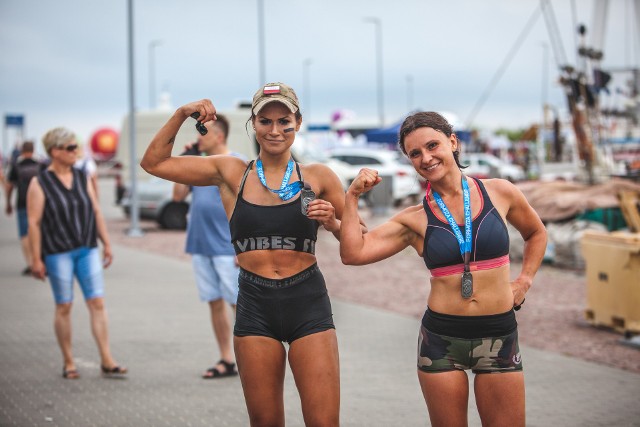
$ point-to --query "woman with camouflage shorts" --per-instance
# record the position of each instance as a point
(459, 229)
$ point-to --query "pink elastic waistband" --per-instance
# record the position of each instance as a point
(473, 266)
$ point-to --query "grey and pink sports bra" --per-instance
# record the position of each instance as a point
(489, 240)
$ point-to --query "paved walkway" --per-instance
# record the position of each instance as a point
(161, 331)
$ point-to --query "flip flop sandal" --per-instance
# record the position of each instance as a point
(70, 374)
(114, 371)
(229, 371)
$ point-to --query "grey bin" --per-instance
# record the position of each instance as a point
(380, 198)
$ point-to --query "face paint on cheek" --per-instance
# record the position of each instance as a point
(287, 130)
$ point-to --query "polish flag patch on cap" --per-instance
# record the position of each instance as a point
(270, 90)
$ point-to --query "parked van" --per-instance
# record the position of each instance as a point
(155, 194)
(241, 137)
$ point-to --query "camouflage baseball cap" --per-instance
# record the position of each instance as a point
(272, 92)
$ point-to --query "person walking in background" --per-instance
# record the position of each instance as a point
(88, 166)
(19, 177)
(65, 223)
(282, 294)
(459, 230)
(209, 243)
(2, 176)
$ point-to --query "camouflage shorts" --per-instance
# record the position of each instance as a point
(439, 353)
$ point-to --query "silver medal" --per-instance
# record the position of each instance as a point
(467, 285)
(306, 196)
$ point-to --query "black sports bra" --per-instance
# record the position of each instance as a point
(489, 236)
(258, 227)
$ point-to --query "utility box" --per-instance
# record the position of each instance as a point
(613, 279)
(380, 198)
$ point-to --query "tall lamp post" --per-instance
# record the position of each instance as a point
(152, 73)
(134, 231)
(306, 65)
(409, 93)
(380, 83)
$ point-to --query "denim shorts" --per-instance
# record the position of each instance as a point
(23, 223)
(84, 263)
(216, 277)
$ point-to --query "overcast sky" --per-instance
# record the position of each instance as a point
(64, 62)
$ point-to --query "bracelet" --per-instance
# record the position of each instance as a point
(517, 307)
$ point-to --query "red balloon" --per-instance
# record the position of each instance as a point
(104, 143)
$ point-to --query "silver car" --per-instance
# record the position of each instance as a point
(485, 165)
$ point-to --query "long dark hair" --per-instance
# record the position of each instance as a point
(428, 119)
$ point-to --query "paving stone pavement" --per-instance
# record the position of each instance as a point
(161, 331)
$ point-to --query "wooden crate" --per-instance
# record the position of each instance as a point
(630, 207)
(612, 263)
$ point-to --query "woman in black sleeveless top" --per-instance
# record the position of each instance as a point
(65, 223)
(282, 295)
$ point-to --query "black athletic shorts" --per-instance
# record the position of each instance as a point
(284, 309)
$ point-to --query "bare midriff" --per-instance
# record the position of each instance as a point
(275, 263)
(491, 293)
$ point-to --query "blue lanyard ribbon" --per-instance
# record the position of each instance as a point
(286, 191)
(464, 243)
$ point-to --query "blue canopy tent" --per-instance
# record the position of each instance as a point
(389, 135)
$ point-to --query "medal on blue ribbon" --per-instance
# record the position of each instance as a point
(307, 195)
(286, 190)
(466, 288)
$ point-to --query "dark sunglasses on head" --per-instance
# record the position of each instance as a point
(72, 147)
(200, 127)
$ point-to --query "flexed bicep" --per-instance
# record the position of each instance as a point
(364, 181)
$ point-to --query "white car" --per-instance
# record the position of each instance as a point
(484, 165)
(405, 182)
(155, 202)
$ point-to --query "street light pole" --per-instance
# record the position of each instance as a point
(261, 53)
(306, 65)
(380, 82)
(134, 231)
(152, 73)
(409, 93)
